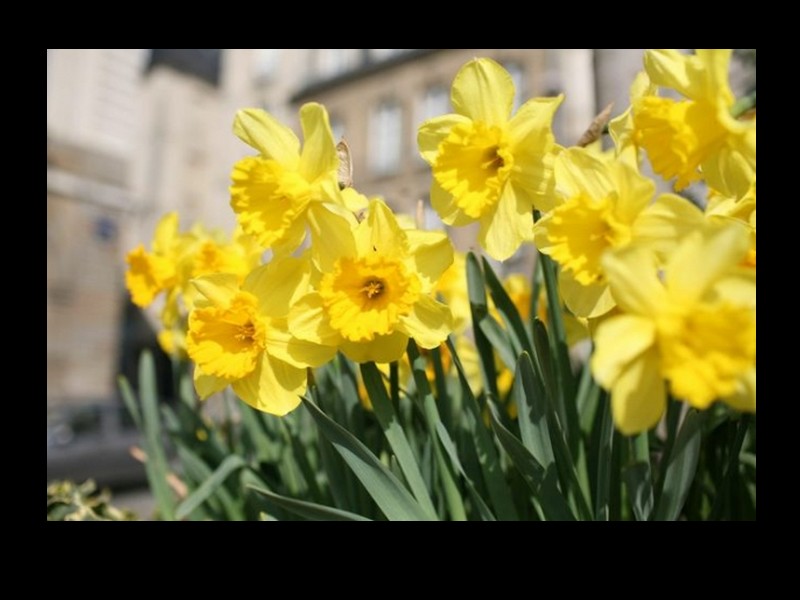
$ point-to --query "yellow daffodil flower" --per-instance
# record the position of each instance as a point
(696, 137)
(150, 273)
(452, 287)
(488, 166)
(693, 325)
(238, 336)
(375, 286)
(271, 193)
(622, 129)
(602, 204)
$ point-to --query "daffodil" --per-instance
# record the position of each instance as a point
(238, 336)
(696, 137)
(622, 128)
(375, 285)
(150, 273)
(271, 193)
(489, 166)
(601, 204)
(723, 209)
(692, 324)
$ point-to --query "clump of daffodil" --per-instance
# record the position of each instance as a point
(175, 259)
(374, 287)
(696, 137)
(692, 324)
(602, 204)
(238, 336)
(271, 192)
(489, 166)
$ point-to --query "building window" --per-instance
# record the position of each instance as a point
(385, 138)
(517, 74)
(266, 62)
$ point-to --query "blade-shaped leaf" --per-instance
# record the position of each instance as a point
(392, 498)
(395, 435)
(680, 469)
(543, 482)
(209, 486)
(308, 510)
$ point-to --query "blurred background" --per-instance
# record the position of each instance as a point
(135, 133)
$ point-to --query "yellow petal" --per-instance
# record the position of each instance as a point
(429, 323)
(432, 254)
(663, 224)
(353, 201)
(382, 349)
(716, 64)
(577, 172)
(207, 385)
(266, 134)
(447, 208)
(587, 301)
(290, 240)
(509, 225)
(219, 288)
(332, 234)
(307, 321)
(279, 284)
(274, 387)
(433, 131)
(301, 353)
(633, 279)
(704, 257)
(166, 233)
(483, 91)
(379, 233)
(634, 190)
(532, 126)
(732, 170)
(670, 68)
(745, 397)
(318, 157)
(638, 397)
(618, 341)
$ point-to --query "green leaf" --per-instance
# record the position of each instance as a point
(130, 400)
(156, 464)
(197, 470)
(209, 486)
(450, 449)
(496, 484)
(543, 482)
(560, 348)
(638, 478)
(532, 408)
(387, 418)
(480, 311)
(308, 510)
(432, 420)
(392, 498)
(603, 450)
(508, 312)
(680, 468)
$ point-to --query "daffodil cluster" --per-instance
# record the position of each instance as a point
(666, 286)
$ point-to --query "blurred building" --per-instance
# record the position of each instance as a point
(132, 134)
